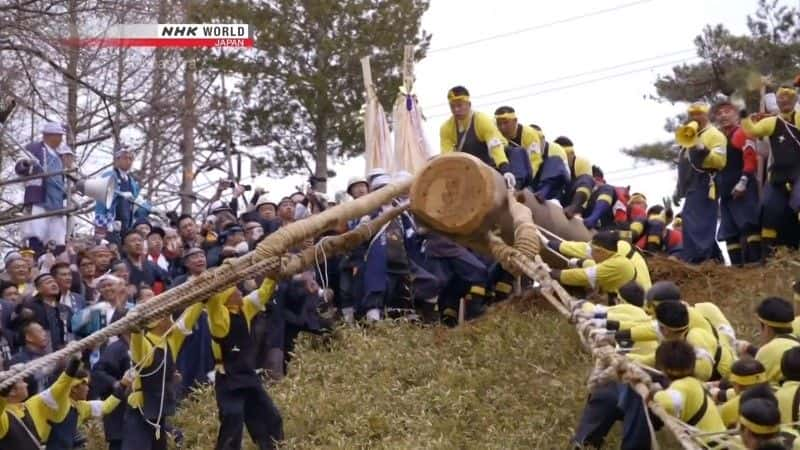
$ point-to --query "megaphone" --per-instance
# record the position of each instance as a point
(686, 135)
(100, 189)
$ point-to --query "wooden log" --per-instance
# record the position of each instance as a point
(458, 195)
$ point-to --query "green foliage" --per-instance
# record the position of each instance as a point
(731, 66)
(656, 151)
(302, 89)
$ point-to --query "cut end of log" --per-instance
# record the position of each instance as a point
(454, 192)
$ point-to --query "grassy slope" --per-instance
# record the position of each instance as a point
(514, 379)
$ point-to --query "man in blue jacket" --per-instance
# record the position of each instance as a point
(113, 223)
(44, 194)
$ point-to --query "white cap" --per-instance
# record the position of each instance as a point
(375, 172)
(53, 128)
(379, 181)
(65, 149)
(106, 277)
(263, 200)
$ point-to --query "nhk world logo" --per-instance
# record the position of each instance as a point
(173, 35)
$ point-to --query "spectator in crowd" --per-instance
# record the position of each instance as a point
(48, 312)
(44, 194)
(36, 344)
(266, 208)
(187, 230)
(253, 231)
(62, 272)
(142, 226)
(142, 270)
(6, 340)
(9, 299)
(18, 272)
(115, 221)
(286, 208)
(67, 157)
(86, 272)
(110, 305)
(155, 248)
(102, 256)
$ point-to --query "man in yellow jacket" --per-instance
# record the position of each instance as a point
(152, 400)
(782, 191)
(607, 263)
(685, 398)
(548, 162)
(241, 397)
(698, 164)
(475, 133)
(775, 316)
(576, 196)
(26, 424)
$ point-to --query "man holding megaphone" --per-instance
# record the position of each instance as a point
(44, 194)
(703, 153)
(112, 221)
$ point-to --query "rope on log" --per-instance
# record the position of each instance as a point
(266, 258)
(609, 365)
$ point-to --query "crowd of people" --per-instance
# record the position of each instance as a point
(57, 288)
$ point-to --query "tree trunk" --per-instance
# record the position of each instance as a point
(320, 158)
(188, 122)
(151, 165)
(73, 53)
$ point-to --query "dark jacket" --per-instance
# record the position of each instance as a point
(111, 367)
(54, 319)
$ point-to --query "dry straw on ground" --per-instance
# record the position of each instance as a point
(512, 380)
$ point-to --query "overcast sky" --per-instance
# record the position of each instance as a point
(600, 116)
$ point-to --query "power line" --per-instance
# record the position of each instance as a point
(540, 26)
(582, 83)
(628, 169)
(569, 77)
(644, 174)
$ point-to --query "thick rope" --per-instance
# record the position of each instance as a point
(609, 364)
(264, 259)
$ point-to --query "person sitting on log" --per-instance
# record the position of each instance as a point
(475, 133)
(651, 233)
(547, 162)
(607, 262)
(577, 194)
(600, 210)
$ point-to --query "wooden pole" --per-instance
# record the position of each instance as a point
(408, 67)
